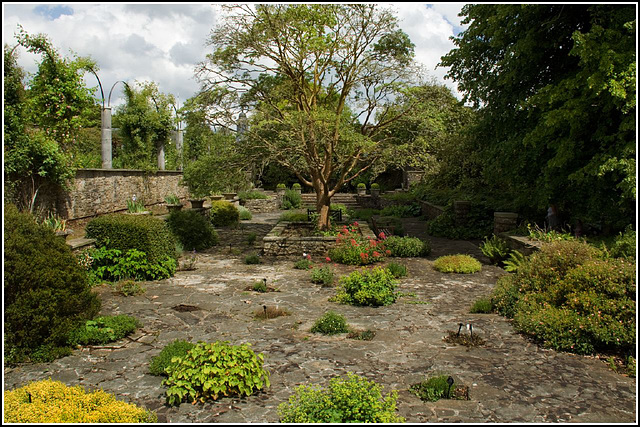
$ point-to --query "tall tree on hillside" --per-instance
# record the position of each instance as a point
(556, 89)
(320, 79)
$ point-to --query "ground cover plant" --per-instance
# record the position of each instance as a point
(213, 370)
(350, 399)
(50, 401)
(397, 270)
(496, 249)
(192, 229)
(244, 214)
(353, 249)
(251, 195)
(406, 246)
(367, 287)
(114, 265)
(128, 288)
(331, 323)
(103, 330)
(252, 259)
(458, 263)
(568, 297)
(439, 387)
(46, 291)
(322, 275)
(177, 348)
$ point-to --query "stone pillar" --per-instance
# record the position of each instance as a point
(106, 138)
(177, 135)
(161, 155)
(504, 221)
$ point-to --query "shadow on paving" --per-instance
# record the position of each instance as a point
(510, 379)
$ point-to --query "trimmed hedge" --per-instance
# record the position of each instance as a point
(223, 213)
(142, 232)
(46, 291)
(192, 229)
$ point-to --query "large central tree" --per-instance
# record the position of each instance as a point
(320, 80)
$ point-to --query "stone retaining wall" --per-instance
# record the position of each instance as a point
(262, 205)
(430, 210)
(100, 191)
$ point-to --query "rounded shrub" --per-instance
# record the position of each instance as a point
(374, 287)
(103, 330)
(244, 213)
(330, 323)
(46, 291)
(50, 401)
(159, 363)
(350, 400)
(407, 246)
(291, 200)
(322, 275)
(213, 370)
(458, 263)
(192, 229)
(397, 270)
(223, 213)
(141, 232)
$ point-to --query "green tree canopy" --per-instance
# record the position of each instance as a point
(556, 89)
(320, 79)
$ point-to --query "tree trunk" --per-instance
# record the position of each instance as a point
(323, 202)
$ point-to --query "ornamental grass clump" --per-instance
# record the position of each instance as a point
(50, 402)
(213, 370)
(458, 263)
(159, 363)
(353, 249)
(347, 400)
(373, 287)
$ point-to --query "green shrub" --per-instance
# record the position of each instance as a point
(303, 264)
(374, 287)
(352, 249)
(172, 199)
(48, 402)
(291, 200)
(296, 186)
(624, 245)
(213, 370)
(514, 262)
(260, 287)
(365, 214)
(458, 263)
(496, 249)
(142, 232)
(251, 238)
(433, 389)
(244, 213)
(402, 211)
(251, 195)
(362, 185)
(281, 186)
(103, 330)
(159, 363)
(223, 213)
(294, 216)
(352, 400)
(505, 296)
(397, 270)
(482, 305)
(479, 223)
(375, 186)
(46, 291)
(192, 229)
(330, 323)
(407, 246)
(252, 259)
(115, 265)
(322, 275)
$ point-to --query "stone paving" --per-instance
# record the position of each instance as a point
(510, 379)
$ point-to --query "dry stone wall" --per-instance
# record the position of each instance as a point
(100, 191)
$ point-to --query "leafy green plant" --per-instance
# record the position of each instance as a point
(397, 270)
(128, 288)
(192, 230)
(244, 213)
(496, 249)
(294, 216)
(482, 305)
(291, 200)
(624, 245)
(251, 238)
(281, 186)
(352, 249)
(458, 263)
(402, 211)
(296, 186)
(322, 275)
(330, 323)
(542, 235)
(178, 349)
(252, 195)
(213, 370)
(303, 264)
(407, 246)
(135, 206)
(103, 330)
(514, 262)
(54, 222)
(354, 399)
(374, 287)
(260, 286)
(115, 265)
(375, 186)
(252, 259)
(362, 185)
(172, 199)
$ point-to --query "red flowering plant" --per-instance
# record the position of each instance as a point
(354, 249)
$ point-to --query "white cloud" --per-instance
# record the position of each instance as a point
(164, 42)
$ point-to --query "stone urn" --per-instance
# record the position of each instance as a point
(229, 196)
(196, 203)
(215, 197)
(375, 192)
(174, 207)
(362, 191)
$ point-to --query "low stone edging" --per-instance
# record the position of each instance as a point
(522, 244)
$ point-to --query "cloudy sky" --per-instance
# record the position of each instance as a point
(163, 42)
